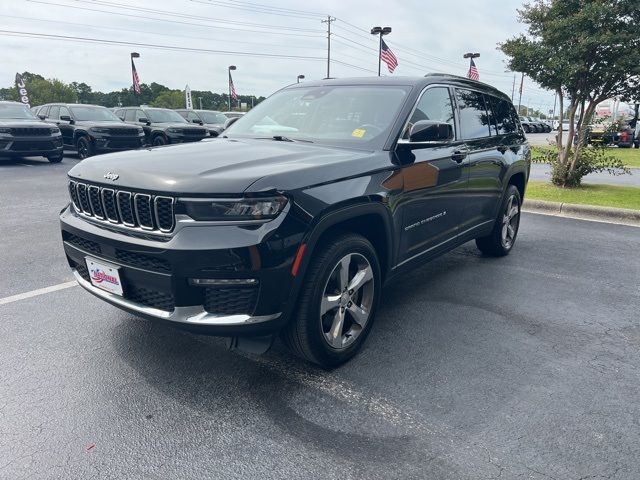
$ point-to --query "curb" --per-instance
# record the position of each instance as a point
(623, 216)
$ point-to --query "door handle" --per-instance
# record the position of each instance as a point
(459, 155)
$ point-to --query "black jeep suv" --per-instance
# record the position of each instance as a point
(161, 125)
(214, 121)
(23, 134)
(292, 220)
(91, 129)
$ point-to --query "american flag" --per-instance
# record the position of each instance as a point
(473, 71)
(387, 56)
(136, 78)
(232, 89)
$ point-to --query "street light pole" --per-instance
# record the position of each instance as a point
(200, 100)
(300, 77)
(231, 67)
(381, 32)
(134, 74)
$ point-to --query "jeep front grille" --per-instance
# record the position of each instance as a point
(123, 207)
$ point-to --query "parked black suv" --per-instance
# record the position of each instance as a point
(214, 121)
(91, 129)
(294, 218)
(23, 134)
(161, 125)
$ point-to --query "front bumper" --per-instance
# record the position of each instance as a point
(179, 138)
(105, 144)
(156, 274)
(27, 145)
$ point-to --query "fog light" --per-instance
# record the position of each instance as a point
(203, 282)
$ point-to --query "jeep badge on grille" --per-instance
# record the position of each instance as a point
(111, 176)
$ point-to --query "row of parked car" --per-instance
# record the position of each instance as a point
(48, 130)
(535, 125)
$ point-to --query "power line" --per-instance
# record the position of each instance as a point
(253, 7)
(192, 17)
(174, 21)
(173, 35)
(11, 33)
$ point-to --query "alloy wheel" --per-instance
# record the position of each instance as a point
(510, 222)
(347, 301)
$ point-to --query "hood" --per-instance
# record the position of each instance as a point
(178, 125)
(22, 123)
(102, 124)
(228, 166)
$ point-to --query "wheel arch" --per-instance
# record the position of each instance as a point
(372, 220)
(519, 180)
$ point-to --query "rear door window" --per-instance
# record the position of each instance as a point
(54, 112)
(474, 118)
(503, 116)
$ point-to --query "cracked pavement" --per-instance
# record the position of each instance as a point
(522, 367)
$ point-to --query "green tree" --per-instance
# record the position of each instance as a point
(585, 50)
(170, 99)
(83, 92)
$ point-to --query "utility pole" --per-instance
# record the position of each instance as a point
(513, 89)
(200, 99)
(328, 22)
(520, 99)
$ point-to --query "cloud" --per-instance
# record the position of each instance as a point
(427, 36)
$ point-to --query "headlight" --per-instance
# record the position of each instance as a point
(55, 130)
(174, 130)
(5, 130)
(234, 209)
(99, 129)
(140, 131)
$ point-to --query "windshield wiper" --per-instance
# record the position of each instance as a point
(282, 138)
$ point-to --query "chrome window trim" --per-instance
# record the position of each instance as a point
(405, 141)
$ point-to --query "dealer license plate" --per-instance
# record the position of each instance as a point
(104, 276)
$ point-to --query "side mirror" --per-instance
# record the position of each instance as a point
(143, 120)
(65, 118)
(230, 122)
(42, 117)
(195, 120)
(430, 131)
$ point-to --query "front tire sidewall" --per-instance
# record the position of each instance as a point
(84, 147)
(308, 312)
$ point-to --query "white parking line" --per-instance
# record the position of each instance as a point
(35, 293)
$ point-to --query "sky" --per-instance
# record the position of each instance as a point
(427, 36)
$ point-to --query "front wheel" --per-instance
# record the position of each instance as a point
(505, 230)
(85, 149)
(55, 158)
(158, 141)
(337, 302)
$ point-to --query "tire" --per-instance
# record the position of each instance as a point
(158, 141)
(333, 337)
(55, 158)
(526, 129)
(502, 238)
(84, 147)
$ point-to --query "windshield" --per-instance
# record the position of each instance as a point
(164, 116)
(212, 117)
(11, 110)
(352, 116)
(93, 114)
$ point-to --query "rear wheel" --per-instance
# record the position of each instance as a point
(337, 302)
(85, 149)
(55, 158)
(505, 230)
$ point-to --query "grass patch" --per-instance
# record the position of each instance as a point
(587, 194)
(630, 156)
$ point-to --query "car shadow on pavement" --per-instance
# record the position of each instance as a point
(200, 373)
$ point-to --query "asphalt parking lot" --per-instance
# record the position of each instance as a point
(521, 367)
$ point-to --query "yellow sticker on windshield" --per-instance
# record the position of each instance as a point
(358, 133)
